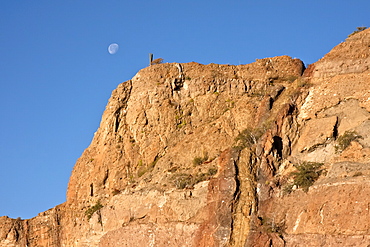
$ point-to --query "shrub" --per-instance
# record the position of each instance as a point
(197, 161)
(200, 160)
(89, 212)
(303, 83)
(141, 171)
(307, 173)
(359, 29)
(290, 78)
(140, 163)
(157, 61)
(200, 177)
(212, 171)
(180, 121)
(182, 180)
(247, 138)
(231, 103)
(144, 168)
(345, 140)
(288, 189)
(270, 226)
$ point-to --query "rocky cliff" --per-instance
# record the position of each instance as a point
(264, 154)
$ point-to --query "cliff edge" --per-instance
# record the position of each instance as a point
(264, 154)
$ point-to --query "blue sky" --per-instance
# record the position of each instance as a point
(56, 74)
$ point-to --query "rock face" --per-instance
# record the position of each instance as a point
(264, 154)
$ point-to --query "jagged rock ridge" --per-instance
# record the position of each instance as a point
(203, 155)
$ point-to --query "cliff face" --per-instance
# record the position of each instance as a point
(222, 155)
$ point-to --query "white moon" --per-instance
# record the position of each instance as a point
(113, 48)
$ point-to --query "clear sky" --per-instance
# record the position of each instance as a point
(56, 74)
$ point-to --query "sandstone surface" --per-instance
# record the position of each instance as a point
(210, 155)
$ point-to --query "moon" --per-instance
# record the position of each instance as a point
(113, 48)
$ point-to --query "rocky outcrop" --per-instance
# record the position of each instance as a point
(333, 130)
(349, 57)
(220, 155)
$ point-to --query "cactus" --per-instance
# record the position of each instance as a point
(150, 58)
